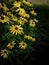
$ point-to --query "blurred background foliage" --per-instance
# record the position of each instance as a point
(40, 54)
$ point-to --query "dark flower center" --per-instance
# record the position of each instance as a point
(5, 52)
(23, 44)
(11, 44)
(2, 4)
(16, 28)
(2, 17)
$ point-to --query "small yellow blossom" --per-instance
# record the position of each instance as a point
(35, 20)
(21, 11)
(23, 45)
(22, 20)
(27, 3)
(4, 19)
(33, 12)
(4, 7)
(11, 45)
(14, 18)
(32, 23)
(4, 53)
(26, 15)
(29, 38)
(8, 13)
(16, 29)
(17, 4)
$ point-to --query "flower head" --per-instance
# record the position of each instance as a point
(29, 38)
(27, 3)
(33, 12)
(35, 20)
(21, 11)
(22, 20)
(16, 29)
(4, 7)
(22, 45)
(32, 23)
(4, 19)
(11, 45)
(4, 53)
(16, 4)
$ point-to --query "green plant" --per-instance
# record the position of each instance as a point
(17, 28)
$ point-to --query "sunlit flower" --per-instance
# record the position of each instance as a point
(33, 12)
(16, 4)
(29, 38)
(35, 20)
(4, 53)
(4, 19)
(32, 23)
(16, 29)
(27, 3)
(22, 20)
(11, 45)
(4, 7)
(14, 18)
(21, 11)
(26, 15)
(23, 45)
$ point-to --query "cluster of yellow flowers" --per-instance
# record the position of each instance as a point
(16, 17)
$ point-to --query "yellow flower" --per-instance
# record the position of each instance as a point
(27, 3)
(22, 20)
(29, 38)
(35, 20)
(4, 19)
(22, 45)
(11, 45)
(26, 15)
(16, 29)
(14, 18)
(17, 4)
(32, 23)
(33, 12)
(9, 13)
(21, 11)
(4, 53)
(4, 7)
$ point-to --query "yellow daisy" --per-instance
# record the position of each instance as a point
(14, 18)
(32, 23)
(21, 11)
(29, 38)
(35, 20)
(9, 13)
(11, 45)
(16, 4)
(16, 29)
(22, 45)
(27, 3)
(22, 20)
(4, 19)
(4, 7)
(26, 15)
(33, 12)
(4, 53)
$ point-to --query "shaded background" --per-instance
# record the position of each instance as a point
(39, 1)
